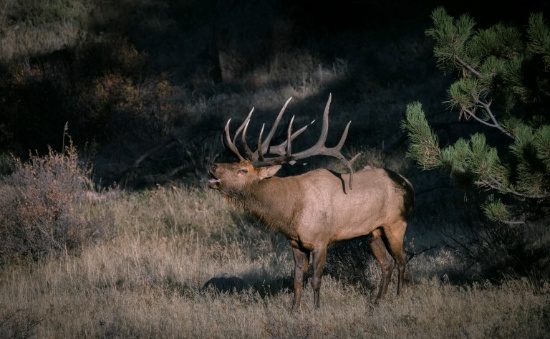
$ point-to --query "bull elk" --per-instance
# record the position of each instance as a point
(318, 208)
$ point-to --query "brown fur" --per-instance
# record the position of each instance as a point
(317, 209)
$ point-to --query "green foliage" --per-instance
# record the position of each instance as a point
(502, 82)
(424, 143)
(539, 38)
(41, 208)
(452, 34)
(495, 210)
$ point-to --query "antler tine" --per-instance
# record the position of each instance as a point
(343, 137)
(260, 150)
(324, 128)
(247, 149)
(289, 138)
(281, 148)
(231, 144)
(265, 144)
(319, 148)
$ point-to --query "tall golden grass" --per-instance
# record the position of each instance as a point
(147, 281)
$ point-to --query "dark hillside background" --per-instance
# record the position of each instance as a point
(146, 86)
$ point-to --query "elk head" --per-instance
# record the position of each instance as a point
(235, 177)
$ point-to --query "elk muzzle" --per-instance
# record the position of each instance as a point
(213, 182)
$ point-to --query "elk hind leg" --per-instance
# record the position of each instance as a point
(385, 260)
(395, 234)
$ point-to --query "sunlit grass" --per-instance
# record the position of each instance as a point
(147, 280)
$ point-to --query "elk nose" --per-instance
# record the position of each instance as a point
(213, 168)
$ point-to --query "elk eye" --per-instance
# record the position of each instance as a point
(243, 171)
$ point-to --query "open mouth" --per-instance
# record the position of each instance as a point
(213, 182)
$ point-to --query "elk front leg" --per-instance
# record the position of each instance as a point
(301, 264)
(319, 260)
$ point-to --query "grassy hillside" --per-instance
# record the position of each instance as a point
(144, 89)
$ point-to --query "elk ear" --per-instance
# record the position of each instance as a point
(268, 172)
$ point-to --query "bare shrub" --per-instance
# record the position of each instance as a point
(41, 208)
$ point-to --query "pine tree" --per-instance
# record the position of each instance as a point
(502, 81)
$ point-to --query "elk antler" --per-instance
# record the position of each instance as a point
(284, 150)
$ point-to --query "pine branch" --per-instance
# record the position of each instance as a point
(468, 67)
(485, 105)
(471, 114)
(492, 64)
(493, 183)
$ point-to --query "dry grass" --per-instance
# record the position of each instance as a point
(147, 282)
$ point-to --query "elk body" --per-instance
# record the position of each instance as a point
(319, 208)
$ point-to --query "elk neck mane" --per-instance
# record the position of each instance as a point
(268, 202)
